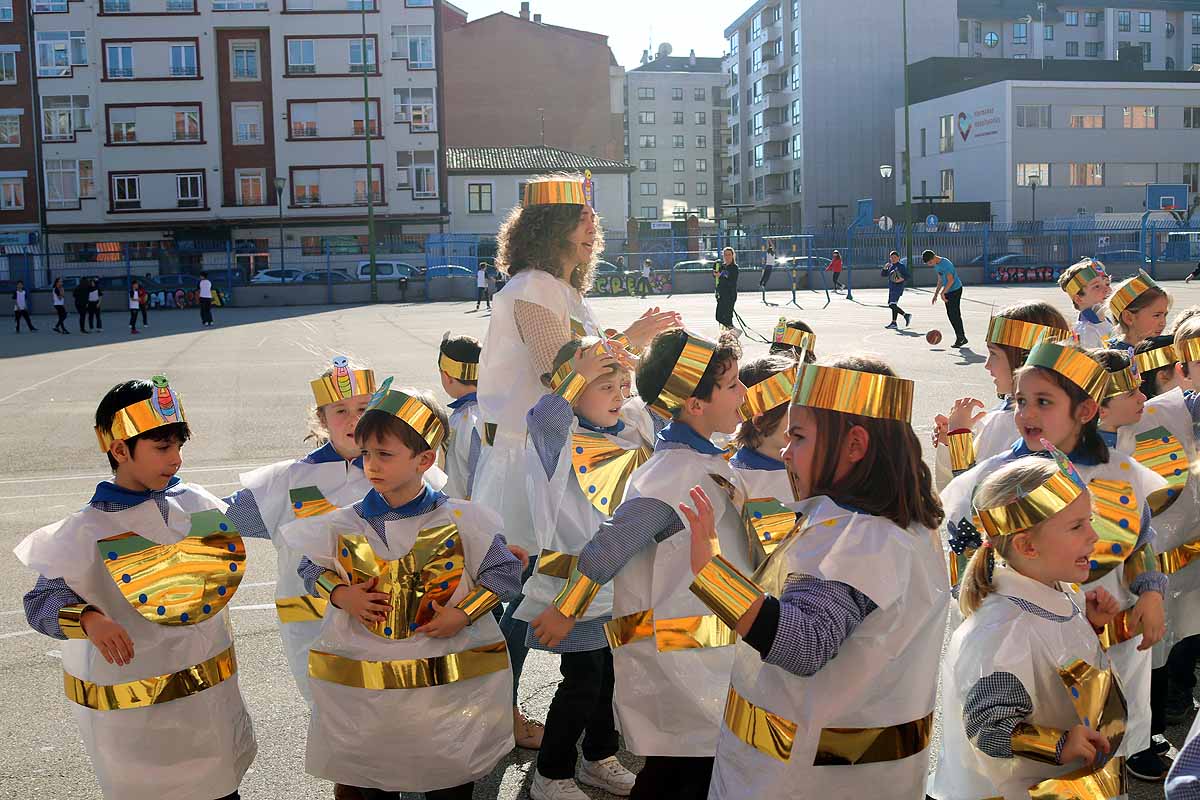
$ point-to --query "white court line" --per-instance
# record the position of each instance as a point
(92, 477)
(54, 377)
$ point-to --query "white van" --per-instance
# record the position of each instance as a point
(386, 270)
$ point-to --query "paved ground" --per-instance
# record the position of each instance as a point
(245, 383)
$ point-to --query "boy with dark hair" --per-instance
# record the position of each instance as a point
(458, 368)
(136, 584)
(1088, 286)
(410, 676)
(205, 293)
(671, 656)
(949, 288)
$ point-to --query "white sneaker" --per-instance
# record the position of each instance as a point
(608, 774)
(545, 789)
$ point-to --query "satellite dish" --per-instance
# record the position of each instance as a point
(664, 50)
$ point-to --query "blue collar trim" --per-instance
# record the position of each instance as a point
(328, 454)
(611, 430)
(109, 492)
(1109, 437)
(1090, 316)
(681, 433)
(1078, 457)
(464, 400)
(373, 505)
(745, 458)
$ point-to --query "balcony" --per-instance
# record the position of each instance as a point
(360, 198)
(183, 71)
(304, 130)
(308, 200)
(116, 6)
(301, 69)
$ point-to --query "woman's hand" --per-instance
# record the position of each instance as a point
(963, 415)
(651, 324)
(703, 524)
(593, 362)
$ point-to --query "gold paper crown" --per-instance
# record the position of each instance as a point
(1154, 359)
(770, 393)
(1091, 270)
(1188, 349)
(1127, 291)
(1122, 381)
(1033, 508)
(411, 411)
(1022, 335)
(459, 370)
(685, 376)
(161, 408)
(849, 391)
(793, 337)
(342, 383)
(1073, 364)
(556, 191)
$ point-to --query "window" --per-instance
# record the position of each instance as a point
(239, 5)
(1195, 54)
(947, 178)
(479, 198)
(1072, 49)
(1196, 24)
(244, 61)
(1039, 171)
(992, 39)
(1086, 116)
(8, 67)
(1071, 18)
(700, 93)
(701, 118)
(62, 183)
(58, 51)
(676, 117)
(756, 91)
(1020, 33)
(303, 117)
(357, 62)
(924, 149)
(797, 147)
(12, 194)
(122, 125)
(87, 178)
(6, 10)
(677, 142)
(63, 115)
(306, 187)
(1191, 117)
(10, 130)
(677, 165)
(1092, 49)
(702, 141)
(183, 61)
(1169, 63)
(677, 92)
(302, 57)
(187, 125)
(649, 212)
(648, 165)
(1124, 21)
(49, 6)
(679, 188)
(1143, 22)
(757, 121)
(733, 45)
(250, 187)
(115, 6)
(247, 123)
(119, 60)
(795, 76)
(646, 189)
(946, 134)
(1091, 19)
(645, 117)
(701, 165)
(1087, 174)
(360, 186)
(127, 192)
(760, 155)
(414, 43)
(755, 27)
(418, 171)
(359, 126)
(414, 106)
(189, 190)
(1048, 33)
(647, 141)
(795, 40)
(645, 93)
(977, 32)
(1140, 116)
(1191, 176)
(702, 189)
(1033, 116)
(797, 111)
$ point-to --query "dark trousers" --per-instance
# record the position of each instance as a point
(94, 320)
(62, 318)
(206, 310)
(481, 295)
(234, 796)
(515, 631)
(23, 314)
(954, 313)
(725, 303)
(81, 309)
(145, 313)
(897, 311)
(766, 276)
(464, 792)
(583, 704)
(1181, 664)
(675, 777)
(643, 286)
(1158, 700)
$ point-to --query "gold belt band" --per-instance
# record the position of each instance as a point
(678, 633)
(556, 564)
(151, 691)
(304, 608)
(489, 433)
(766, 732)
(844, 746)
(413, 673)
(1176, 559)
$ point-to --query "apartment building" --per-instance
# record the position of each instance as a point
(20, 198)
(812, 89)
(676, 110)
(1091, 136)
(1166, 31)
(177, 123)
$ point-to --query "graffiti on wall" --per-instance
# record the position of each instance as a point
(627, 285)
(1045, 274)
(182, 298)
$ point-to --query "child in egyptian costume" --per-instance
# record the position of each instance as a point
(1088, 286)
(137, 584)
(458, 370)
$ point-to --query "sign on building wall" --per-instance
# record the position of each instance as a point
(981, 125)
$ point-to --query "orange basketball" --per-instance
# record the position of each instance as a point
(933, 337)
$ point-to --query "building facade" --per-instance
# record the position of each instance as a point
(810, 124)
(676, 113)
(172, 126)
(516, 81)
(1166, 31)
(1091, 136)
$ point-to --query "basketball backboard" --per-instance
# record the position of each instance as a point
(1167, 197)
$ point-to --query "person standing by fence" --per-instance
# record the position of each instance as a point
(769, 262)
(80, 295)
(144, 304)
(59, 298)
(95, 322)
(21, 307)
(206, 298)
(644, 281)
(134, 305)
(727, 281)
(950, 287)
(835, 267)
(481, 286)
(896, 271)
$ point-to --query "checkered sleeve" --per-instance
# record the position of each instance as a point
(635, 524)
(243, 512)
(500, 571)
(309, 572)
(1183, 781)
(549, 425)
(995, 706)
(815, 617)
(472, 460)
(44, 601)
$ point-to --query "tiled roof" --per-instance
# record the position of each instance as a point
(680, 64)
(526, 160)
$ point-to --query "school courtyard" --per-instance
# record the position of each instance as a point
(245, 385)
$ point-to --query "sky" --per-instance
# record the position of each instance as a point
(631, 25)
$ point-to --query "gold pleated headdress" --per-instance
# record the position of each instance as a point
(1188, 349)
(1073, 364)
(342, 383)
(793, 337)
(459, 370)
(1092, 269)
(1037, 506)
(1127, 291)
(685, 376)
(411, 411)
(770, 393)
(1022, 335)
(849, 391)
(161, 408)
(1154, 359)
(1122, 381)
(557, 191)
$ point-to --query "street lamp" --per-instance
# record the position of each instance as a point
(367, 64)
(885, 172)
(1033, 184)
(908, 215)
(280, 182)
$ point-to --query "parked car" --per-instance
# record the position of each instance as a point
(175, 280)
(1015, 260)
(277, 276)
(803, 262)
(1119, 256)
(695, 266)
(449, 271)
(327, 275)
(608, 266)
(387, 270)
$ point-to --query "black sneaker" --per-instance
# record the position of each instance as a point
(1147, 766)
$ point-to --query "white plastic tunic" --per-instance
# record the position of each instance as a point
(1004, 637)
(669, 703)
(884, 674)
(196, 747)
(284, 492)
(406, 739)
(1093, 334)
(509, 387)
(464, 424)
